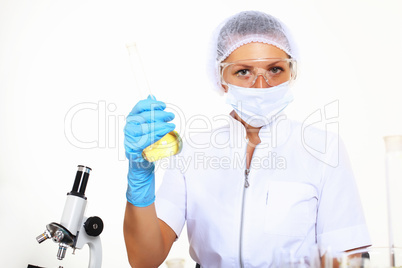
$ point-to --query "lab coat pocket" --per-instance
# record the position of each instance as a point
(290, 208)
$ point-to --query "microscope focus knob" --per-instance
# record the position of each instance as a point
(93, 226)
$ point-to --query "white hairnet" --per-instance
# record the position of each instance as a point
(243, 28)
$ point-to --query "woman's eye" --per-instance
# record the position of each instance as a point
(276, 70)
(242, 72)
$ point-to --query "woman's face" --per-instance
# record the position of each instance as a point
(255, 51)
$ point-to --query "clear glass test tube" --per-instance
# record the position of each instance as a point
(393, 174)
(138, 71)
(171, 143)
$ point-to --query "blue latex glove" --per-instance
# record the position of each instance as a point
(146, 124)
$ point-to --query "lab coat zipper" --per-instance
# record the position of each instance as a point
(246, 185)
(246, 182)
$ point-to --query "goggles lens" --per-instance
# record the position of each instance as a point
(244, 73)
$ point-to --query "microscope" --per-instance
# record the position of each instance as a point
(75, 230)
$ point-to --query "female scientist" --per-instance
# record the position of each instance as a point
(240, 212)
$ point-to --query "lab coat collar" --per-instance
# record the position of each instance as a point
(272, 135)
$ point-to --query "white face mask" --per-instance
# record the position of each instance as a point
(259, 106)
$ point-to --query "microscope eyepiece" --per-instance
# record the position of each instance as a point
(81, 180)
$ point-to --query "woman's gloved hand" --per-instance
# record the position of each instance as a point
(146, 124)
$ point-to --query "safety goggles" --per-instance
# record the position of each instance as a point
(244, 73)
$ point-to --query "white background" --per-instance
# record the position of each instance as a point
(55, 55)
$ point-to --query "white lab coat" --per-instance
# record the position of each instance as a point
(301, 193)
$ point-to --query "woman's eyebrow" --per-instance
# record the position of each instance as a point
(273, 63)
(244, 65)
(250, 65)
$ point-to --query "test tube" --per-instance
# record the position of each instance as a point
(171, 143)
(393, 174)
(138, 71)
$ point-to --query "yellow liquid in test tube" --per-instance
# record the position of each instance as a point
(171, 143)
